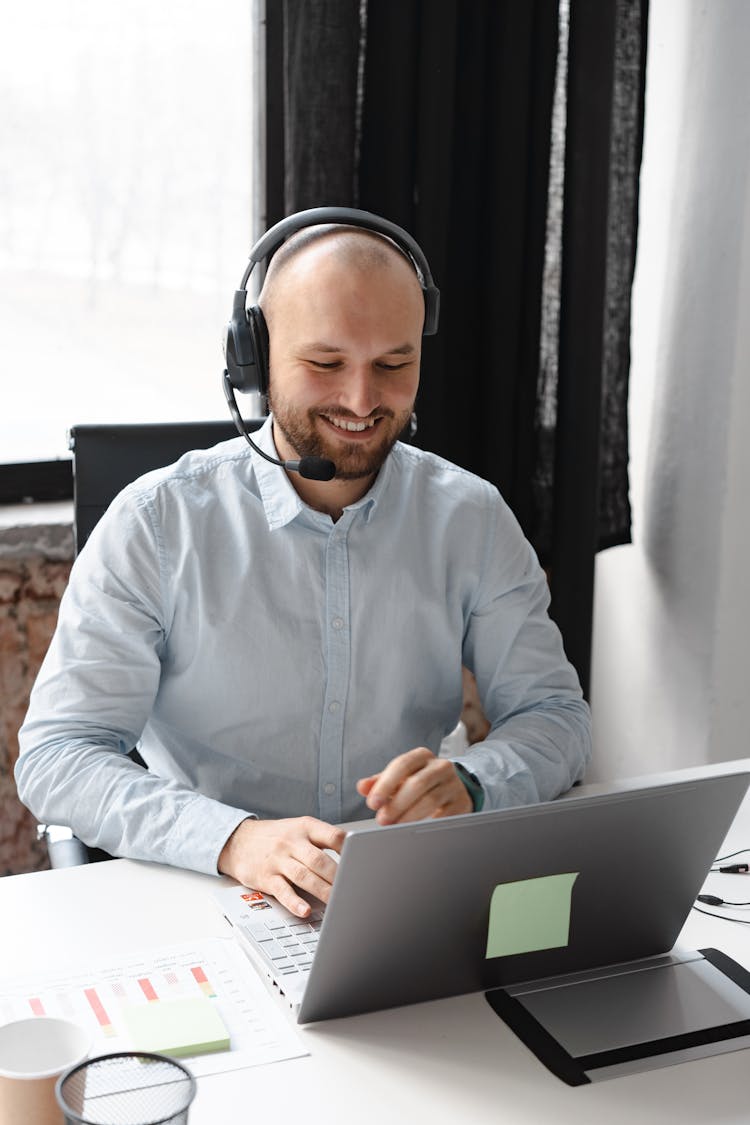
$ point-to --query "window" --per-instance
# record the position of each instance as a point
(127, 156)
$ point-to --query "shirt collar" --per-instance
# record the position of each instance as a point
(280, 501)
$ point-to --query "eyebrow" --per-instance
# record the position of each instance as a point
(319, 346)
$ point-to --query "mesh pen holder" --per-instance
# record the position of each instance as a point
(127, 1088)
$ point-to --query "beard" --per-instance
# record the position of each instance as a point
(352, 461)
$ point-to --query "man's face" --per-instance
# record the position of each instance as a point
(344, 358)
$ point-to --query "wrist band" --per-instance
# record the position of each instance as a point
(473, 786)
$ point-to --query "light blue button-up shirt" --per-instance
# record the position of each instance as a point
(265, 658)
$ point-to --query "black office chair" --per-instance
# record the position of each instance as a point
(105, 459)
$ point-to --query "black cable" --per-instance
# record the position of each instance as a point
(731, 855)
(734, 868)
(723, 917)
(714, 900)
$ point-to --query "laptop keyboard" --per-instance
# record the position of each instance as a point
(287, 946)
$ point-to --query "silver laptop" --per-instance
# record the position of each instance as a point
(477, 902)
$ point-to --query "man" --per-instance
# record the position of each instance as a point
(288, 651)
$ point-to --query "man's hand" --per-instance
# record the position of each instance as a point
(275, 856)
(414, 786)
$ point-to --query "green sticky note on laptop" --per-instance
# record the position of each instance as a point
(530, 915)
(190, 1026)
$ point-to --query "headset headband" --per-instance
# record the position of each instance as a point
(352, 217)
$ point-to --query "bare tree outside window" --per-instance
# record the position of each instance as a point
(126, 210)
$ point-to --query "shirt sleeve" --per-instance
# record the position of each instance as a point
(540, 738)
(93, 697)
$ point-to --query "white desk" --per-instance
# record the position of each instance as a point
(445, 1062)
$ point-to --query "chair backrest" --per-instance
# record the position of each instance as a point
(107, 457)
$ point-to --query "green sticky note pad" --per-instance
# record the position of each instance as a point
(176, 1027)
(530, 915)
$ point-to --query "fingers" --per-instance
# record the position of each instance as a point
(322, 834)
(414, 786)
(391, 779)
(278, 856)
(284, 893)
(309, 869)
(435, 790)
(438, 802)
(302, 864)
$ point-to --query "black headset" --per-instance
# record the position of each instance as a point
(246, 340)
(246, 344)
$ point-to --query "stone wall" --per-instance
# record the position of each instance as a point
(30, 592)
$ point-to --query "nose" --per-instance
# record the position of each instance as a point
(360, 391)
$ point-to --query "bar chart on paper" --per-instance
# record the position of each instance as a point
(103, 998)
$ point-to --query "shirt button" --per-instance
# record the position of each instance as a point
(338, 623)
(333, 706)
(329, 788)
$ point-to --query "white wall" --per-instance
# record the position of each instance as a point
(672, 614)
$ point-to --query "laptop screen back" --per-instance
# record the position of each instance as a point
(469, 903)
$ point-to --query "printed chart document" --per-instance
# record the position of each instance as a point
(119, 998)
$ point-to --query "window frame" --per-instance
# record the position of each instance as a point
(23, 482)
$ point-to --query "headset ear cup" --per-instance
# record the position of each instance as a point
(258, 330)
(239, 349)
(431, 310)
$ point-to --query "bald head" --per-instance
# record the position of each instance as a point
(347, 250)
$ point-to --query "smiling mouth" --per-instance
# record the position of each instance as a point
(346, 425)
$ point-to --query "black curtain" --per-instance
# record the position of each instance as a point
(438, 114)
(320, 83)
(581, 472)
(457, 150)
